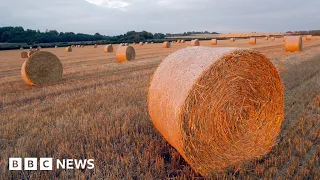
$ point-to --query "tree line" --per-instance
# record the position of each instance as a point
(20, 35)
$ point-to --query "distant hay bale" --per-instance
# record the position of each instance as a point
(214, 41)
(166, 44)
(32, 51)
(134, 43)
(126, 44)
(151, 42)
(55, 46)
(108, 49)
(266, 38)
(30, 47)
(95, 46)
(220, 106)
(273, 38)
(252, 41)
(308, 37)
(42, 68)
(195, 42)
(24, 54)
(147, 43)
(232, 39)
(125, 53)
(69, 49)
(293, 43)
(21, 48)
(141, 44)
(183, 41)
(284, 39)
(179, 41)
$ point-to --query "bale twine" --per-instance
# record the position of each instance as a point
(195, 42)
(219, 107)
(108, 49)
(42, 68)
(166, 44)
(214, 41)
(24, 54)
(252, 41)
(125, 53)
(68, 49)
(141, 43)
(293, 43)
(308, 37)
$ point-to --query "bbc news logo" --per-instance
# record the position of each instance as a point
(46, 164)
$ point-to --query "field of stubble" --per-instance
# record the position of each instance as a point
(99, 111)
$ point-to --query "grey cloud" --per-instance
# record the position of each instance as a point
(162, 15)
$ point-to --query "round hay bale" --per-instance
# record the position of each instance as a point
(55, 46)
(134, 43)
(147, 43)
(266, 38)
(95, 46)
(126, 44)
(183, 41)
(195, 42)
(178, 41)
(308, 37)
(141, 43)
(30, 47)
(21, 48)
(31, 52)
(125, 53)
(166, 44)
(232, 39)
(252, 41)
(220, 106)
(273, 38)
(293, 43)
(68, 49)
(108, 49)
(24, 54)
(214, 41)
(151, 42)
(42, 68)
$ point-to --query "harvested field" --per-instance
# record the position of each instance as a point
(99, 111)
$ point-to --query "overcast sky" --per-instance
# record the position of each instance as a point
(114, 17)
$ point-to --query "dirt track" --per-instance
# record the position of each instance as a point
(99, 110)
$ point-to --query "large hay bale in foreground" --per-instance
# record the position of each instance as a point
(214, 42)
(108, 49)
(24, 54)
(308, 37)
(195, 42)
(166, 44)
(42, 68)
(69, 49)
(125, 53)
(217, 106)
(252, 41)
(293, 43)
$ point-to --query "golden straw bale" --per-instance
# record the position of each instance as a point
(214, 42)
(252, 41)
(220, 106)
(266, 38)
(108, 49)
(42, 68)
(125, 53)
(166, 44)
(69, 49)
(195, 42)
(293, 43)
(232, 39)
(24, 54)
(308, 37)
